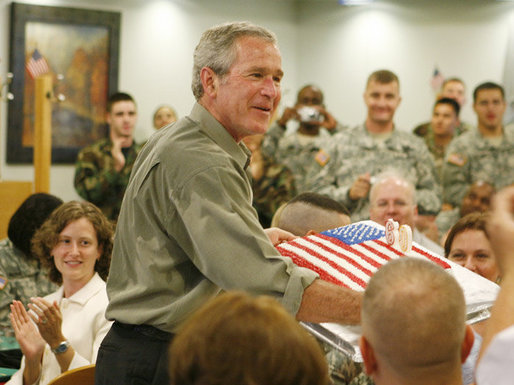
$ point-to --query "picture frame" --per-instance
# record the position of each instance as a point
(81, 46)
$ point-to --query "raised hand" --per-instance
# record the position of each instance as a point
(48, 317)
(117, 154)
(360, 188)
(27, 334)
(501, 229)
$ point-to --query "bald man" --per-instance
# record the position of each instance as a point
(393, 196)
(311, 213)
(413, 325)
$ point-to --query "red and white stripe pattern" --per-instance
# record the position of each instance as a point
(37, 65)
(349, 255)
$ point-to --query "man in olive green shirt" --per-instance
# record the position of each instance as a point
(187, 229)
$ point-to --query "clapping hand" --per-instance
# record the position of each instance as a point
(48, 318)
(26, 331)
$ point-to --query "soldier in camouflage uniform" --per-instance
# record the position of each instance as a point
(453, 88)
(103, 169)
(358, 154)
(445, 120)
(24, 280)
(272, 183)
(478, 198)
(345, 371)
(21, 276)
(483, 154)
(301, 151)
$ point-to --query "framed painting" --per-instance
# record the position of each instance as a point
(80, 49)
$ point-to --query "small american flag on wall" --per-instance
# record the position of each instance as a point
(437, 80)
(37, 65)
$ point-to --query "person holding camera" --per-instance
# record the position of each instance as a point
(301, 151)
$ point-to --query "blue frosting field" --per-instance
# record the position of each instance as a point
(355, 233)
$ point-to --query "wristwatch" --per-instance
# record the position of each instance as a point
(61, 348)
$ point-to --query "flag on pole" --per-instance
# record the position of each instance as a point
(37, 65)
(437, 80)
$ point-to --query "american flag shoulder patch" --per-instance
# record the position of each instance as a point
(322, 157)
(3, 282)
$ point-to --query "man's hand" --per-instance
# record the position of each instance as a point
(328, 122)
(289, 113)
(500, 229)
(117, 154)
(360, 188)
(277, 236)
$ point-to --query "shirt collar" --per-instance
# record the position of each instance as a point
(219, 134)
(85, 293)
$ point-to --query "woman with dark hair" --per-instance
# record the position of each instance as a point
(21, 275)
(468, 245)
(63, 330)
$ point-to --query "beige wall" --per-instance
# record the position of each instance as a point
(321, 42)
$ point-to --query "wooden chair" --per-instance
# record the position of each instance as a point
(84, 375)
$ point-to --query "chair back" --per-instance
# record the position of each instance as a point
(85, 375)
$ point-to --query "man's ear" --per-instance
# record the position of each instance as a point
(416, 213)
(467, 344)
(210, 81)
(368, 356)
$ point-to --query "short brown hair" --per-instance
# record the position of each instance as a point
(452, 80)
(383, 77)
(414, 317)
(473, 221)
(488, 86)
(47, 236)
(239, 339)
(118, 97)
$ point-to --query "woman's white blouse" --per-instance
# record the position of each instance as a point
(84, 325)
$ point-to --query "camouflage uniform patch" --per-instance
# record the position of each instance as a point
(303, 160)
(446, 219)
(25, 280)
(96, 179)
(274, 188)
(341, 367)
(362, 379)
(355, 152)
(486, 162)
